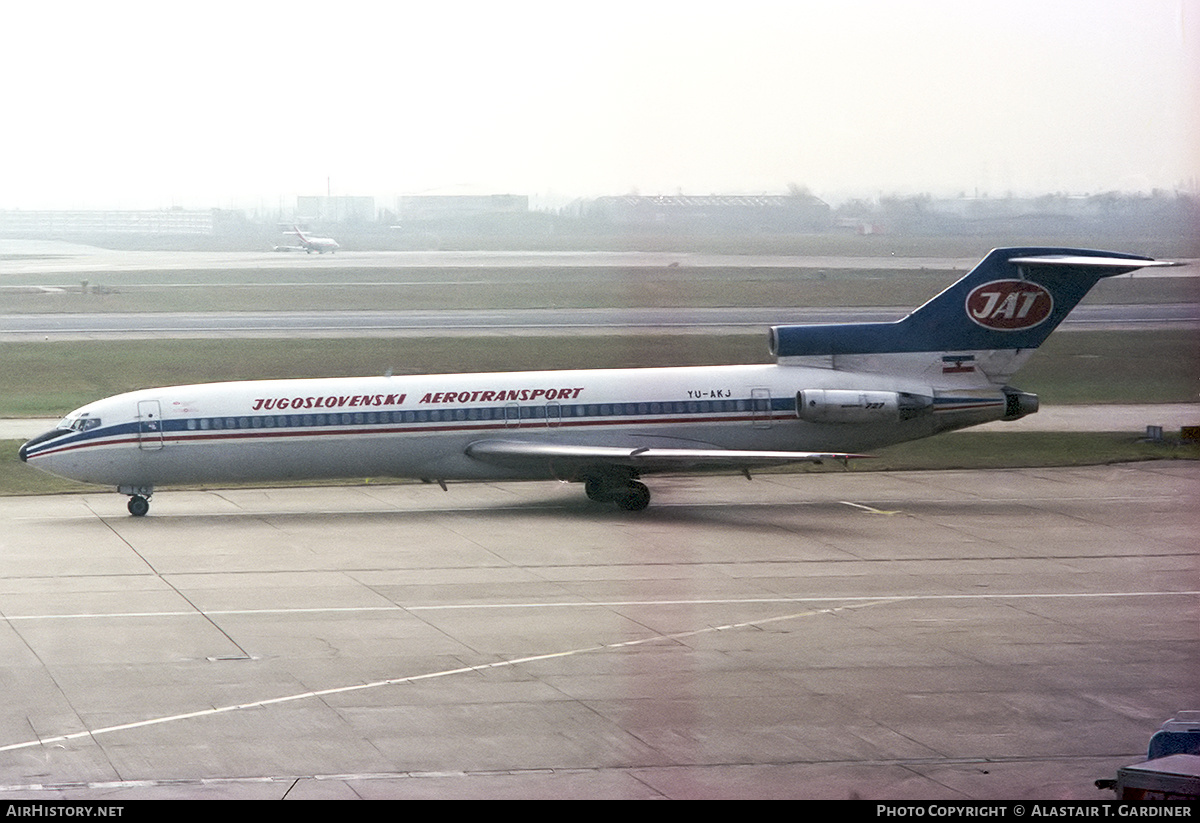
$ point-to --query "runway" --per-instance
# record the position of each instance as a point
(41, 257)
(910, 635)
(44, 257)
(392, 324)
(22, 257)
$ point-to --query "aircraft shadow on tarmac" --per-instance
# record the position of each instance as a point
(812, 516)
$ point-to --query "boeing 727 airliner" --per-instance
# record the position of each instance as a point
(833, 391)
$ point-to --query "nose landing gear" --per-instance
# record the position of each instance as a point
(139, 499)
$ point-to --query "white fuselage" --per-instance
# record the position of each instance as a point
(421, 426)
(320, 244)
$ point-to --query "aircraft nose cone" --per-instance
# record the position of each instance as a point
(23, 452)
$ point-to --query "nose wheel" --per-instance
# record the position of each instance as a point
(139, 498)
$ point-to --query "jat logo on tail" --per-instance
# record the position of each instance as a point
(1009, 305)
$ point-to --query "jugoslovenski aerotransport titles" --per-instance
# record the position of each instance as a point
(833, 392)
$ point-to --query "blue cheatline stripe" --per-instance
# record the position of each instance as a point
(487, 418)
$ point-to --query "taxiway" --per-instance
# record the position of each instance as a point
(909, 635)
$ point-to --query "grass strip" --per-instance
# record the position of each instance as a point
(51, 378)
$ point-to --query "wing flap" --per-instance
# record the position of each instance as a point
(517, 453)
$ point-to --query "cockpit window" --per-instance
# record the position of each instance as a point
(79, 424)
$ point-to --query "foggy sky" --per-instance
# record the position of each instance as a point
(153, 105)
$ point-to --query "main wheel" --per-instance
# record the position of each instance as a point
(138, 506)
(596, 489)
(634, 498)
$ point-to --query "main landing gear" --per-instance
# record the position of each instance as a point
(629, 494)
(139, 499)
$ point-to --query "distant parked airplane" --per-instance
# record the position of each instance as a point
(833, 392)
(315, 244)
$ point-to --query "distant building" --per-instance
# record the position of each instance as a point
(1158, 215)
(335, 209)
(979, 208)
(441, 207)
(774, 213)
(75, 223)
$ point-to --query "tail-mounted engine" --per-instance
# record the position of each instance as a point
(1017, 404)
(842, 406)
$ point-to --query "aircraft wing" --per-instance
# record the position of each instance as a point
(566, 460)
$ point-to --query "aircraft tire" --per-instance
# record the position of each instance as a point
(138, 506)
(597, 490)
(635, 498)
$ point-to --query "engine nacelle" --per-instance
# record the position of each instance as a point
(842, 406)
(1017, 404)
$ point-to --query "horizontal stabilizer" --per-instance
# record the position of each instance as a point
(1122, 263)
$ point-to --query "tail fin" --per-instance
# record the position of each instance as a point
(978, 331)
